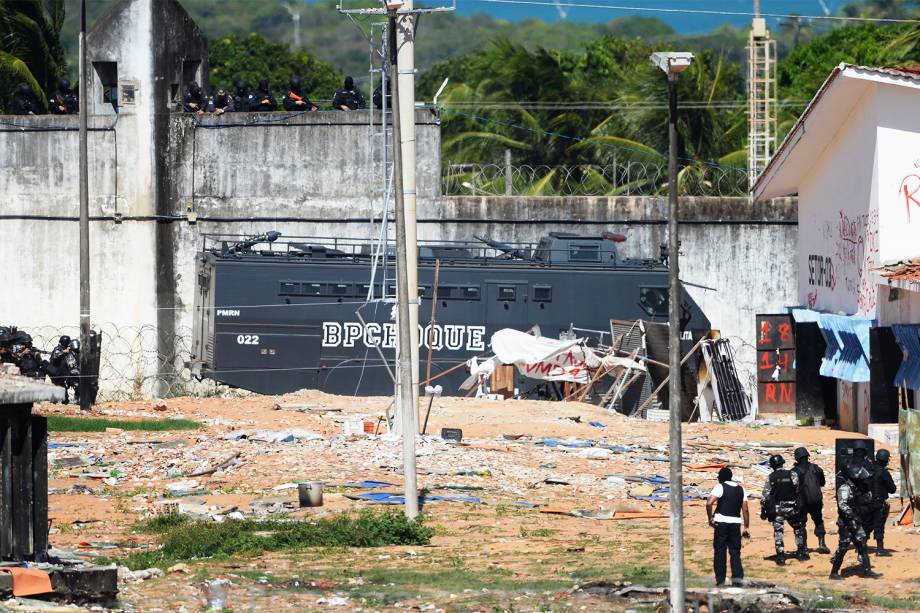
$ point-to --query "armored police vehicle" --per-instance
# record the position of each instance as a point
(274, 316)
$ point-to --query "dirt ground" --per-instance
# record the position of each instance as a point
(498, 554)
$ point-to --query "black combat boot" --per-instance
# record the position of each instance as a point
(780, 558)
(880, 550)
(835, 569)
(802, 554)
(822, 546)
(867, 571)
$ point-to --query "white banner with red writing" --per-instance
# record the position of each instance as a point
(545, 358)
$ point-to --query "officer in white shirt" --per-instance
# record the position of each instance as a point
(727, 509)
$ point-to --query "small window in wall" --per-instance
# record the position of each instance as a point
(312, 289)
(654, 300)
(128, 94)
(507, 292)
(584, 253)
(446, 292)
(190, 72)
(542, 293)
(340, 289)
(108, 78)
(289, 288)
(471, 292)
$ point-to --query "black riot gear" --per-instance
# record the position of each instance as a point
(349, 98)
(776, 461)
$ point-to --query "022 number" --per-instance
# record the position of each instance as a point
(247, 339)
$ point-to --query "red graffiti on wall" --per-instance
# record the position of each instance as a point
(910, 185)
(856, 255)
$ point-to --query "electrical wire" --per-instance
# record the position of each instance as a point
(686, 11)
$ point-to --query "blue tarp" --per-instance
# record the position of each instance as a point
(847, 353)
(388, 498)
(908, 337)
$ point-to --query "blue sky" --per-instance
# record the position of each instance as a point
(684, 23)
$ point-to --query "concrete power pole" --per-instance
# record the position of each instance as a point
(405, 283)
(84, 218)
(405, 39)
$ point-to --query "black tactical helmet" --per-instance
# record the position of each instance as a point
(800, 453)
(856, 472)
(65, 83)
(194, 88)
(882, 456)
(776, 461)
(75, 344)
(64, 341)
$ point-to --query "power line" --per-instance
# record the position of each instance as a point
(605, 106)
(644, 9)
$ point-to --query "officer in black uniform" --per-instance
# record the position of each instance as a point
(262, 100)
(25, 102)
(295, 99)
(63, 100)
(25, 356)
(348, 98)
(378, 98)
(854, 497)
(194, 100)
(729, 501)
(811, 480)
(882, 486)
(221, 102)
(241, 97)
(64, 367)
(780, 503)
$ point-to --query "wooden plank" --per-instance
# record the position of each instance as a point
(40, 486)
(22, 483)
(6, 489)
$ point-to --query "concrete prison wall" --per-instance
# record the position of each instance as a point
(318, 174)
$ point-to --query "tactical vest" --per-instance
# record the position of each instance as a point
(730, 503)
(781, 486)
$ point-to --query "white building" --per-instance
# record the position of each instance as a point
(853, 158)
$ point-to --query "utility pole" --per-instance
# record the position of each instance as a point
(676, 482)
(407, 390)
(84, 219)
(673, 64)
(405, 40)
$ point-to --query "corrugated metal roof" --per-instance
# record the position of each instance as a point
(908, 270)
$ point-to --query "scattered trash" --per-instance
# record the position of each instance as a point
(368, 484)
(180, 568)
(333, 601)
(215, 593)
(452, 434)
(597, 424)
(310, 494)
(389, 498)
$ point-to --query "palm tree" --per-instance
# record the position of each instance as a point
(30, 47)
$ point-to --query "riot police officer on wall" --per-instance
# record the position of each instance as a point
(194, 100)
(241, 97)
(882, 485)
(262, 100)
(295, 99)
(854, 498)
(349, 98)
(64, 100)
(25, 101)
(780, 503)
(811, 481)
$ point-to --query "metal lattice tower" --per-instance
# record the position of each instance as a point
(762, 96)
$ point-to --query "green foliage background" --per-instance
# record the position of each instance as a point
(609, 101)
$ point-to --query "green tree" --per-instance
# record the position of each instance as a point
(802, 72)
(252, 58)
(30, 48)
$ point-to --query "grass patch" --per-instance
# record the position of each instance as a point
(181, 539)
(63, 423)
